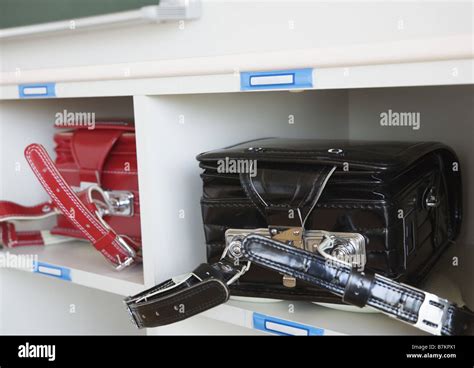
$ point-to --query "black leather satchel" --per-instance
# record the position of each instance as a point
(330, 221)
(404, 199)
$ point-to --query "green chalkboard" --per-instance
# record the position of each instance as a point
(15, 13)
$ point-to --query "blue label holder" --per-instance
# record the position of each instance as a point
(53, 271)
(277, 79)
(283, 327)
(37, 90)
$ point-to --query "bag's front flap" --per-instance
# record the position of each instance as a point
(359, 154)
(90, 147)
(285, 197)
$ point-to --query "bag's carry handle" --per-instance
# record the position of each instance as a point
(418, 308)
(83, 213)
(304, 188)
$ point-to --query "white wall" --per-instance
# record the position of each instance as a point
(447, 116)
(240, 26)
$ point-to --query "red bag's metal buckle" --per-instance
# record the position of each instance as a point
(338, 247)
(115, 203)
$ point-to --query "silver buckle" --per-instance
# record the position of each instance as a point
(233, 251)
(121, 265)
(112, 203)
(432, 314)
(346, 248)
(340, 247)
(119, 203)
(177, 280)
(131, 253)
(242, 271)
(116, 203)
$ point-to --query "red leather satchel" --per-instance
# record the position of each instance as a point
(93, 185)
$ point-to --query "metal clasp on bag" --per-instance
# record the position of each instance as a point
(340, 247)
(118, 203)
(112, 203)
(233, 253)
(292, 236)
(346, 248)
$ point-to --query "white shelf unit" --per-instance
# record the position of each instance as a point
(421, 73)
(193, 123)
(32, 121)
(173, 129)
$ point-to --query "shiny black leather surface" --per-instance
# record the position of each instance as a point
(373, 181)
(358, 288)
(170, 302)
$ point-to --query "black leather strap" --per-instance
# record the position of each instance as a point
(416, 307)
(180, 298)
(357, 290)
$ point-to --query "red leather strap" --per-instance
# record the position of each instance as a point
(10, 211)
(116, 249)
(12, 238)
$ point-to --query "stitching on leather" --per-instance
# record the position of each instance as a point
(282, 293)
(251, 205)
(349, 206)
(281, 205)
(389, 307)
(66, 190)
(21, 215)
(405, 290)
(103, 171)
(54, 174)
(65, 229)
(202, 307)
(26, 243)
(216, 244)
(28, 232)
(196, 310)
(318, 205)
(289, 270)
(114, 243)
(330, 286)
